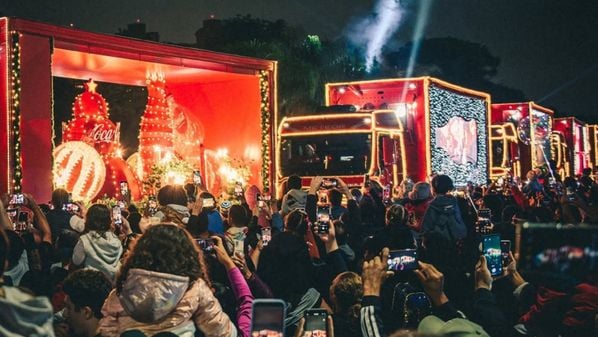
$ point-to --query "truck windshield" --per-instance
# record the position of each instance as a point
(328, 155)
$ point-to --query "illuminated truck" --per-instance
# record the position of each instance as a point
(520, 138)
(575, 135)
(392, 129)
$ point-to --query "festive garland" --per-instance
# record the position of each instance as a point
(265, 124)
(16, 111)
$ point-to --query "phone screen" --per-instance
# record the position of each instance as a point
(492, 252)
(266, 235)
(386, 192)
(206, 245)
(315, 323)
(402, 260)
(208, 202)
(323, 220)
(17, 199)
(22, 224)
(268, 318)
(124, 187)
(238, 189)
(239, 246)
(196, 177)
(505, 248)
(12, 213)
(116, 215)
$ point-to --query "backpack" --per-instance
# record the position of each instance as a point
(443, 224)
(409, 305)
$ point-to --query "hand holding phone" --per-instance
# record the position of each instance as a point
(492, 253)
(267, 319)
(206, 245)
(316, 323)
(116, 215)
(402, 260)
(323, 220)
(197, 178)
(266, 236)
(17, 199)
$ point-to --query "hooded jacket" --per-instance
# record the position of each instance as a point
(24, 315)
(100, 252)
(155, 302)
(177, 214)
(293, 200)
(439, 212)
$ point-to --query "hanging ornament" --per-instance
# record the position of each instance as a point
(79, 169)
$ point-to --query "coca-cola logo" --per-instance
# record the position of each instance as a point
(101, 134)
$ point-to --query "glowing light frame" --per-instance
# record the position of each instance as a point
(445, 104)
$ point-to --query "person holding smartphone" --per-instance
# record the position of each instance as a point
(99, 248)
(62, 216)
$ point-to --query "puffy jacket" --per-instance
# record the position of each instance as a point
(155, 302)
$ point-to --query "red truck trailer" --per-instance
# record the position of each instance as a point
(216, 95)
(410, 127)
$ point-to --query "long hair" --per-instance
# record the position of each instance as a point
(164, 248)
(98, 219)
(346, 291)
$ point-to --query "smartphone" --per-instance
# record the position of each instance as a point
(505, 249)
(196, 177)
(12, 214)
(266, 235)
(116, 215)
(124, 188)
(208, 202)
(323, 220)
(484, 213)
(238, 189)
(328, 182)
(266, 195)
(17, 199)
(316, 323)
(492, 252)
(402, 260)
(71, 207)
(206, 245)
(22, 223)
(239, 246)
(386, 193)
(267, 319)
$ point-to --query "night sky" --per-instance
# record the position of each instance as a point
(548, 48)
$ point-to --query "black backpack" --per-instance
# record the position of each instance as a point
(409, 305)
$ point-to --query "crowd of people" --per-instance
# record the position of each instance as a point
(193, 265)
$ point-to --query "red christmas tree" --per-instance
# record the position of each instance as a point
(156, 130)
(91, 122)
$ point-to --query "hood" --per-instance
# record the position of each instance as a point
(150, 296)
(237, 233)
(294, 199)
(106, 249)
(17, 272)
(444, 204)
(24, 315)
